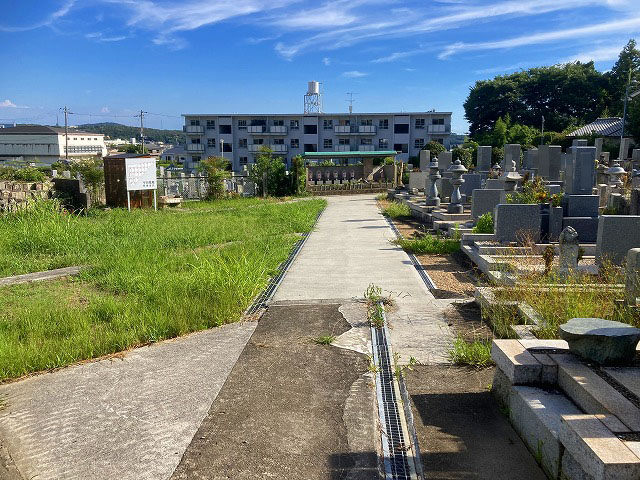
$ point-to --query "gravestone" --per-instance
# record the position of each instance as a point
(554, 189)
(425, 158)
(569, 249)
(549, 161)
(485, 200)
(484, 159)
(472, 181)
(531, 159)
(516, 222)
(579, 142)
(583, 205)
(444, 161)
(602, 341)
(445, 188)
(494, 183)
(555, 223)
(511, 154)
(583, 170)
(598, 144)
(624, 148)
(66, 174)
(417, 180)
(632, 277)
(634, 202)
(616, 235)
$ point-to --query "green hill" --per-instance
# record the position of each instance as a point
(116, 130)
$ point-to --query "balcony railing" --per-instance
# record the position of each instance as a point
(366, 148)
(195, 147)
(278, 130)
(367, 129)
(438, 129)
(256, 129)
(343, 148)
(254, 148)
(193, 129)
(355, 129)
(280, 148)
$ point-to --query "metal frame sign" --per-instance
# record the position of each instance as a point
(141, 173)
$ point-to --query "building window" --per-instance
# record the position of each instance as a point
(419, 143)
(437, 121)
(420, 123)
(195, 160)
(211, 142)
(311, 129)
(211, 124)
(226, 147)
(82, 138)
(278, 123)
(328, 124)
(401, 128)
(383, 124)
(294, 124)
(195, 141)
(278, 141)
(242, 124)
(295, 143)
(194, 123)
(365, 141)
(84, 149)
(344, 141)
(366, 123)
(243, 160)
(96, 139)
(328, 143)
(383, 143)
(310, 147)
(345, 123)
(439, 140)
(225, 128)
(258, 141)
(401, 147)
(242, 143)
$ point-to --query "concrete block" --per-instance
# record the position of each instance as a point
(536, 416)
(549, 374)
(593, 394)
(587, 227)
(483, 201)
(519, 366)
(583, 206)
(598, 451)
(617, 234)
(517, 222)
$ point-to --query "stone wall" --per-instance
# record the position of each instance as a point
(14, 194)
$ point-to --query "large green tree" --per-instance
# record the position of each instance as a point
(618, 77)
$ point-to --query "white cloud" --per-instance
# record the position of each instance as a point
(601, 54)
(326, 61)
(104, 110)
(354, 74)
(628, 25)
(48, 21)
(97, 36)
(397, 56)
(9, 104)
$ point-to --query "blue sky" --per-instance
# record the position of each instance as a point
(110, 58)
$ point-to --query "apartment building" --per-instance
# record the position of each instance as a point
(239, 137)
(44, 144)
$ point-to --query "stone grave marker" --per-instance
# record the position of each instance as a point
(583, 170)
(444, 161)
(425, 158)
(569, 249)
(484, 159)
(511, 154)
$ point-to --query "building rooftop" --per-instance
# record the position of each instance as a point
(327, 114)
(607, 127)
(42, 130)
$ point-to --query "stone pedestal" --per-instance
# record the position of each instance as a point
(431, 190)
(455, 205)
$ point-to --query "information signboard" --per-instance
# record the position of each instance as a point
(141, 173)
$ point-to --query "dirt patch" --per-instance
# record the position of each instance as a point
(466, 321)
(461, 431)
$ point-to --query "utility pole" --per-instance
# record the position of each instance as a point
(624, 110)
(141, 115)
(542, 132)
(66, 132)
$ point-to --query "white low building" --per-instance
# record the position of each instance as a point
(42, 144)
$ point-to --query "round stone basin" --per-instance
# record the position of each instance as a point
(602, 341)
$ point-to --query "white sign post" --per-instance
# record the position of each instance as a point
(141, 175)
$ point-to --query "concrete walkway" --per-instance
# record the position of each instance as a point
(349, 250)
(125, 418)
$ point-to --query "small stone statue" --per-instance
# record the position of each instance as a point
(569, 249)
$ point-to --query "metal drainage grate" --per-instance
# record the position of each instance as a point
(423, 274)
(265, 295)
(394, 446)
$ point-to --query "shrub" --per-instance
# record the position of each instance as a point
(435, 148)
(26, 174)
(270, 171)
(396, 210)
(429, 244)
(476, 353)
(92, 173)
(485, 224)
(216, 170)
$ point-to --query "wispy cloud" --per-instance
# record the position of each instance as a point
(9, 104)
(600, 54)
(99, 37)
(64, 9)
(326, 61)
(354, 74)
(105, 110)
(397, 56)
(629, 25)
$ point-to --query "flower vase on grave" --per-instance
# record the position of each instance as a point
(455, 205)
(432, 190)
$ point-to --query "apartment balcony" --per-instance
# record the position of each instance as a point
(195, 147)
(256, 129)
(366, 148)
(438, 129)
(343, 148)
(355, 130)
(278, 130)
(255, 148)
(193, 129)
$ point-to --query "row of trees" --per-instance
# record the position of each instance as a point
(509, 108)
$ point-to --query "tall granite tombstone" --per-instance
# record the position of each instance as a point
(425, 159)
(472, 181)
(531, 159)
(598, 144)
(444, 161)
(623, 152)
(548, 160)
(579, 142)
(635, 158)
(484, 159)
(583, 170)
(511, 154)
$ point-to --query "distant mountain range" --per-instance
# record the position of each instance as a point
(117, 130)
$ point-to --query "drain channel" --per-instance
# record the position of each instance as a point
(399, 461)
(261, 300)
(421, 271)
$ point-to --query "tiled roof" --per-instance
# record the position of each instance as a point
(607, 127)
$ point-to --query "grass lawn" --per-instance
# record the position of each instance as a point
(150, 275)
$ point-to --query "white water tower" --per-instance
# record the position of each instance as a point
(313, 98)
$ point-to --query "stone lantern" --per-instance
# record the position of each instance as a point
(615, 172)
(496, 170)
(511, 179)
(455, 205)
(432, 190)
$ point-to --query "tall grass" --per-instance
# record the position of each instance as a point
(429, 244)
(149, 276)
(396, 209)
